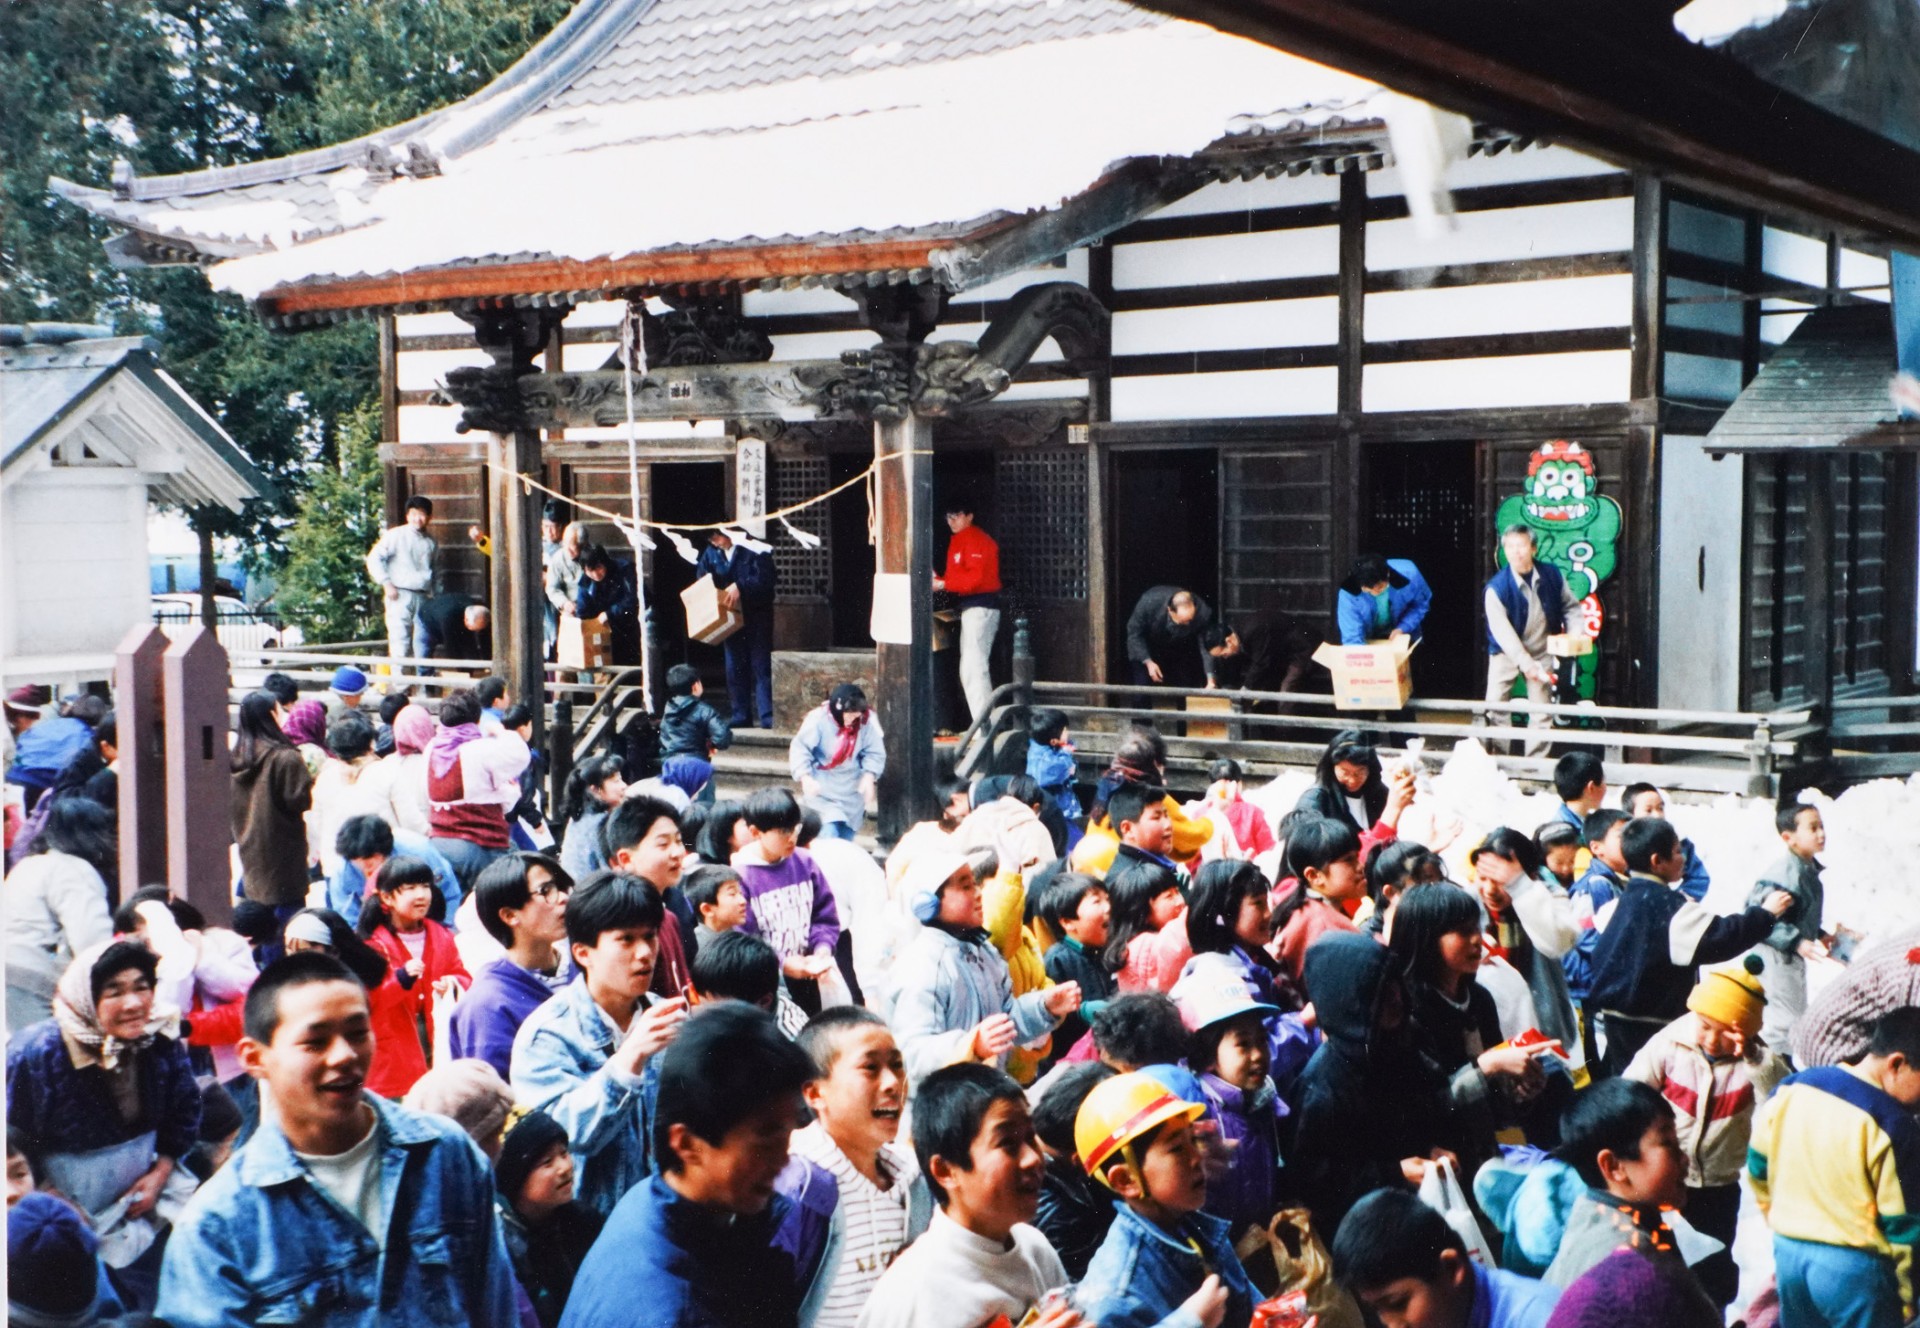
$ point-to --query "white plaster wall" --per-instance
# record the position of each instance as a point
(75, 561)
(1700, 502)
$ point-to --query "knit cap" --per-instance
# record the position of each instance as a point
(526, 1143)
(51, 1264)
(349, 681)
(468, 1092)
(1732, 995)
(30, 699)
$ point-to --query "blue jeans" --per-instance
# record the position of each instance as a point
(750, 669)
(1832, 1286)
(835, 830)
(467, 859)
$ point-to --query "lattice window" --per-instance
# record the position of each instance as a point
(805, 574)
(1040, 500)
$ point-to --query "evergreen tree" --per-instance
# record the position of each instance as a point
(182, 85)
(324, 587)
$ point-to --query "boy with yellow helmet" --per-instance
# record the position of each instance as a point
(1164, 1261)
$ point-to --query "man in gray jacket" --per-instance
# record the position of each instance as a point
(402, 565)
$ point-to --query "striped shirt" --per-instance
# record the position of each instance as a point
(873, 1222)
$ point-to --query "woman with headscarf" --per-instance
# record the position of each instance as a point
(306, 728)
(837, 758)
(56, 905)
(272, 793)
(106, 1097)
(400, 777)
(473, 779)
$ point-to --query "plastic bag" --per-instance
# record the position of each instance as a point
(444, 1001)
(1288, 1255)
(1442, 1192)
(833, 987)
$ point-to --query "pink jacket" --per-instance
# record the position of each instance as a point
(1155, 958)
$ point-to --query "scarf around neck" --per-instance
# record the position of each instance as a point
(444, 750)
(846, 737)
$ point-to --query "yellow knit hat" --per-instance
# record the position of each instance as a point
(1731, 995)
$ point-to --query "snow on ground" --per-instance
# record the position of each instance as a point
(1873, 846)
(1873, 831)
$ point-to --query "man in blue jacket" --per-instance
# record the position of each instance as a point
(342, 1208)
(715, 1240)
(1382, 599)
(747, 581)
(1526, 602)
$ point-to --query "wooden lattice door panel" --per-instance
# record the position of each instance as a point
(1040, 508)
(1776, 663)
(1040, 521)
(1859, 569)
(1276, 530)
(459, 495)
(806, 575)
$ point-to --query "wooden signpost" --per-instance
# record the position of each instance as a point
(198, 774)
(139, 723)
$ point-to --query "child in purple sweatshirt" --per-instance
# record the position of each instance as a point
(789, 904)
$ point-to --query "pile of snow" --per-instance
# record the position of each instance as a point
(1873, 831)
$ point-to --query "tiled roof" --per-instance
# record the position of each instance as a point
(1824, 387)
(645, 126)
(686, 47)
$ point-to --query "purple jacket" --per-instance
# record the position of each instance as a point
(1248, 1193)
(492, 1010)
(789, 904)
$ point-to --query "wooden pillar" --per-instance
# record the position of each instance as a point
(389, 383)
(904, 672)
(525, 661)
(1647, 379)
(903, 497)
(1099, 411)
(1350, 372)
(140, 725)
(514, 574)
(198, 773)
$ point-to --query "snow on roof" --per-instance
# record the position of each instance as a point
(646, 125)
(107, 397)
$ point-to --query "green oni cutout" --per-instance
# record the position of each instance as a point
(1576, 530)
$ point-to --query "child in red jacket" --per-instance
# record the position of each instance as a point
(425, 960)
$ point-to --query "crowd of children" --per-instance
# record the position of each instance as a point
(1153, 1065)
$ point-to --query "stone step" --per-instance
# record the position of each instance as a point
(755, 766)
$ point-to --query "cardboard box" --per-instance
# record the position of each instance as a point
(708, 620)
(1369, 677)
(1569, 645)
(584, 643)
(1208, 730)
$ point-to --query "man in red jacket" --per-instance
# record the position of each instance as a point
(972, 574)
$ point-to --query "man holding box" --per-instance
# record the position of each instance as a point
(746, 581)
(1526, 602)
(607, 591)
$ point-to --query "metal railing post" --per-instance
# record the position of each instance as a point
(1022, 662)
(559, 762)
(1760, 768)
